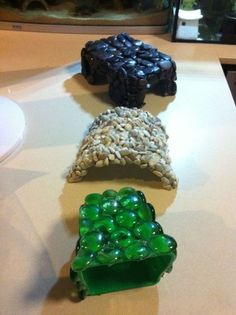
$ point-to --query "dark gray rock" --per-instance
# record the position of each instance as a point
(131, 67)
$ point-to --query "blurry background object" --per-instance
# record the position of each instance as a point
(109, 16)
(188, 24)
(210, 21)
(229, 24)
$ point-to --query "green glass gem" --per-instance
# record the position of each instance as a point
(125, 191)
(122, 237)
(147, 229)
(144, 212)
(85, 226)
(162, 244)
(89, 212)
(141, 195)
(137, 250)
(131, 201)
(93, 199)
(92, 242)
(126, 219)
(105, 224)
(110, 193)
(82, 261)
(110, 206)
(109, 256)
(152, 209)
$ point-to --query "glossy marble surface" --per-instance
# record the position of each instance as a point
(39, 209)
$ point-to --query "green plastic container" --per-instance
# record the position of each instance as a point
(121, 246)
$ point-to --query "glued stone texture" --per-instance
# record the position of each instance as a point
(131, 67)
(123, 136)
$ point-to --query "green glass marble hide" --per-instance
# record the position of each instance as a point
(121, 246)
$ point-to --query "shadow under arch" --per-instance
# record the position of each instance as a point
(95, 99)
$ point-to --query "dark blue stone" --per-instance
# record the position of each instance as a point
(165, 64)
